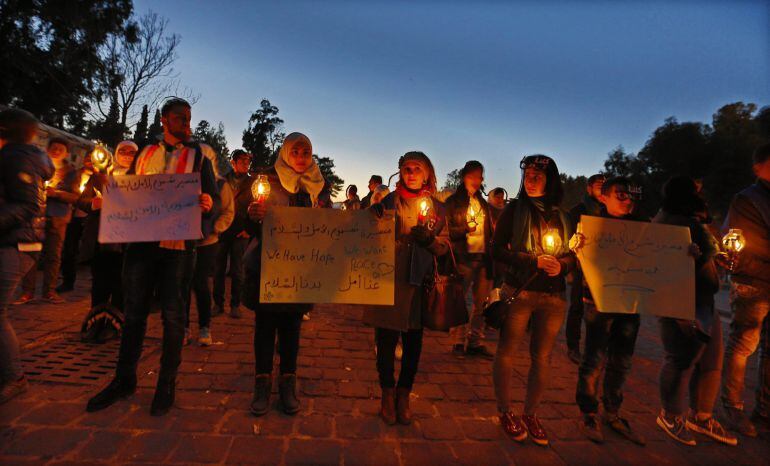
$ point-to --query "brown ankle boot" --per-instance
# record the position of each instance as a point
(388, 410)
(403, 413)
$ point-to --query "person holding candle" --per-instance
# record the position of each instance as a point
(294, 181)
(233, 241)
(62, 191)
(418, 226)
(610, 339)
(590, 205)
(107, 262)
(470, 230)
(750, 301)
(531, 240)
(693, 349)
(163, 265)
(74, 233)
(24, 169)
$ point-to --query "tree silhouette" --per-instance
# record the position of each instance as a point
(155, 132)
(326, 165)
(214, 137)
(263, 135)
(140, 133)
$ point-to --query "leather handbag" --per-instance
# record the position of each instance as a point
(444, 299)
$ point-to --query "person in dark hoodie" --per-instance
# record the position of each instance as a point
(693, 349)
(24, 169)
(531, 239)
(470, 230)
(163, 264)
(750, 301)
(295, 181)
(590, 205)
(610, 340)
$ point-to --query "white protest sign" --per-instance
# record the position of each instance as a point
(638, 267)
(327, 256)
(150, 208)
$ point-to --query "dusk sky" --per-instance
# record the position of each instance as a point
(492, 81)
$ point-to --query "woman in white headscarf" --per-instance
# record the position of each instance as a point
(295, 181)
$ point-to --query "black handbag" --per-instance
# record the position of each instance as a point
(444, 299)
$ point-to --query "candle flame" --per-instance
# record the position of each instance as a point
(734, 241)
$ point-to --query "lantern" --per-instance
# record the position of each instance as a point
(260, 189)
(733, 242)
(471, 217)
(101, 158)
(551, 242)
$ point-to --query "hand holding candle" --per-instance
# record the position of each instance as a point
(424, 217)
(101, 158)
(260, 189)
(733, 243)
(472, 223)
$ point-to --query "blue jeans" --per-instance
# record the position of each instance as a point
(749, 329)
(609, 343)
(13, 266)
(146, 265)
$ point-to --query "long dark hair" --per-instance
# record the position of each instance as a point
(554, 192)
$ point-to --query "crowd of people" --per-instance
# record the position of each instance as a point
(46, 204)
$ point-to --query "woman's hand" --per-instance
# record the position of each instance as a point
(257, 211)
(422, 235)
(723, 260)
(206, 202)
(549, 264)
(96, 203)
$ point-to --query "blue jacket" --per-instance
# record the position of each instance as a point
(24, 170)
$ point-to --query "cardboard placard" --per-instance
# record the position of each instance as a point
(151, 208)
(327, 256)
(638, 267)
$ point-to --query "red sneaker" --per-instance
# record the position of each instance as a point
(535, 429)
(512, 426)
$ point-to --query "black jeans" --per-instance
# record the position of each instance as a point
(71, 250)
(106, 276)
(146, 265)
(232, 248)
(575, 311)
(690, 365)
(610, 341)
(386, 341)
(204, 263)
(286, 325)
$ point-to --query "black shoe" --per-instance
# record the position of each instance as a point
(119, 388)
(287, 389)
(760, 419)
(65, 288)
(261, 401)
(574, 355)
(164, 397)
(480, 351)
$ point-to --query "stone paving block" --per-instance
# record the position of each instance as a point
(276, 424)
(456, 392)
(564, 429)
(475, 453)
(422, 453)
(431, 391)
(318, 388)
(527, 453)
(187, 399)
(313, 452)
(481, 429)
(150, 446)
(238, 423)
(103, 445)
(139, 418)
(54, 414)
(201, 449)
(369, 407)
(363, 428)
(255, 450)
(441, 428)
(46, 442)
(196, 420)
(315, 425)
(373, 453)
(356, 389)
(15, 409)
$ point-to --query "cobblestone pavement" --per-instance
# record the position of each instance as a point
(453, 401)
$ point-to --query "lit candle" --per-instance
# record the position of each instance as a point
(733, 242)
(551, 242)
(260, 189)
(424, 211)
(471, 216)
(100, 157)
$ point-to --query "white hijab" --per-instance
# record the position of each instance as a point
(311, 180)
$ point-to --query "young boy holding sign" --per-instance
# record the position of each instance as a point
(609, 336)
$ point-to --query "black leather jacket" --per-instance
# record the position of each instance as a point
(24, 169)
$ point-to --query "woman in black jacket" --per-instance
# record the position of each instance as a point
(693, 349)
(24, 169)
(295, 181)
(531, 238)
(470, 229)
